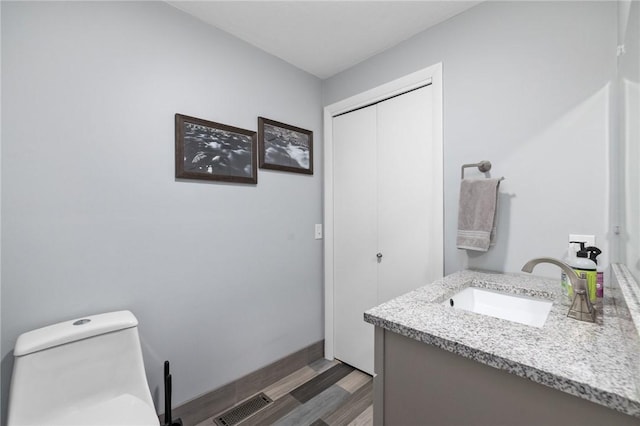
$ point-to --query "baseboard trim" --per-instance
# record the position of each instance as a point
(218, 400)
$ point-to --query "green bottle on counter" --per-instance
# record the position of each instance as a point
(583, 265)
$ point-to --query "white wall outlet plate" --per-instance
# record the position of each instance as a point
(318, 231)
(589, 240)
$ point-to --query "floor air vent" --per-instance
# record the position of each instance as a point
(244, 410)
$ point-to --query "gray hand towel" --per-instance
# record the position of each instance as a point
(477, 213)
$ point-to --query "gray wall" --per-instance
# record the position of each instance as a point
(527, 86)
(224, 278)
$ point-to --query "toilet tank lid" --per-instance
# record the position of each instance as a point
(73, 330)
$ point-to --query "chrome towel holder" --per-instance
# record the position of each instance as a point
(483, 166)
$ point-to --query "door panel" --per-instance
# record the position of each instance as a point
(409, 230)
(355, 235)
(387, 177)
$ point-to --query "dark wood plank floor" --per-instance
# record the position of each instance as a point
(319, 394)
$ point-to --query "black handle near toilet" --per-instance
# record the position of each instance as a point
(168, 421)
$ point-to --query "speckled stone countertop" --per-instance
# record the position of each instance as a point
(598, 361)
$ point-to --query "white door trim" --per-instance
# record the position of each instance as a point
(433, 75)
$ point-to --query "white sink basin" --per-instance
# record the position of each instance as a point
(521, 309)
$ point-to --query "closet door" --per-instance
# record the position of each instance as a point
(355, 235)
(387, 237)
(409, 228)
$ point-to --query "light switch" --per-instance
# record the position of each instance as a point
(318, 233)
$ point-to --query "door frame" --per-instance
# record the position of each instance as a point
(430, 75)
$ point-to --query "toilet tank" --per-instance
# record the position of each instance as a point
(80, 368)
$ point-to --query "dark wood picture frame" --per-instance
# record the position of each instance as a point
(212, 151)
(284, 147)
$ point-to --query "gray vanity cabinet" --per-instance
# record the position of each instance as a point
(420, 384)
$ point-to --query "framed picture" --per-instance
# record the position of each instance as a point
(214, 151)
(284, 147)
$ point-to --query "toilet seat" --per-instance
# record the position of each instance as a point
(123, 410)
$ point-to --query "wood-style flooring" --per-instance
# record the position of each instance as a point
(319, 394)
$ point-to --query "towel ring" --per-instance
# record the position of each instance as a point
(483, 166)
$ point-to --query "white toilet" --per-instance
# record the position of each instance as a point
(82, 372)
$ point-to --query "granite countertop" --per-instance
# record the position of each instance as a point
(598, 361)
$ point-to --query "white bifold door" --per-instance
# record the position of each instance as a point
(388, 225)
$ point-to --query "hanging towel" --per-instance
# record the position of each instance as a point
(477, 213)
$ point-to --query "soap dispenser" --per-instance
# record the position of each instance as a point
(583, 265)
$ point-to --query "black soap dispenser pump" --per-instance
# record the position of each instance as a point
(594, 252)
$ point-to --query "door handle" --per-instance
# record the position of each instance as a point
(379, 256)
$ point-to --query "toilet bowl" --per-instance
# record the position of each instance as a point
(84, 372)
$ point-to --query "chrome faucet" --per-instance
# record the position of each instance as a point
(581, 308)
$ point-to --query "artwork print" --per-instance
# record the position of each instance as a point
(285, 147)
(214, 151)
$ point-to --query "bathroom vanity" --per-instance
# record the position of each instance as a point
(436, 364)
